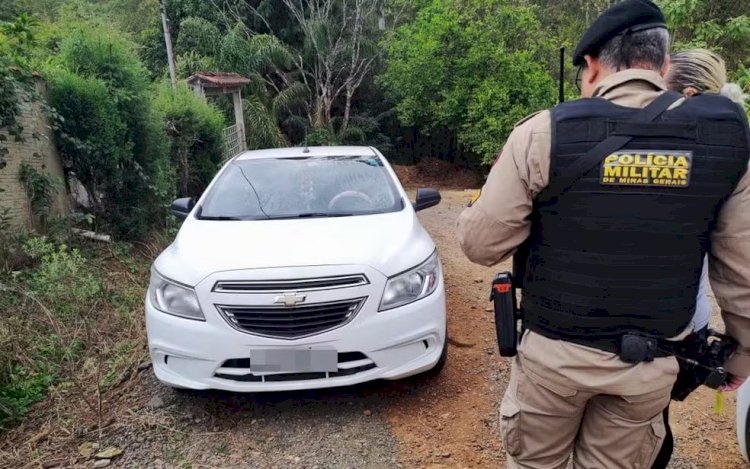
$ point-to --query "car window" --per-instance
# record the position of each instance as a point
(302, 187)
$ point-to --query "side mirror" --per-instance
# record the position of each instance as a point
(181, 207)
(426, 198)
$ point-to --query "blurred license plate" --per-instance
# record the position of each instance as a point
(293, 360)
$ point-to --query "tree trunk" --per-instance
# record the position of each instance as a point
(319, 113)
(327, 106)
(348, 107)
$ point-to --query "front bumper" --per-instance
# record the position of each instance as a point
(397, 343)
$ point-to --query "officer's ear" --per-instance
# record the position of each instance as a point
(665, 67)
(690, 91)
(591, 75)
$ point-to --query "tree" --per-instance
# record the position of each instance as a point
(340, 51)
(471, 67)
(9, 9)
(334, 45)
(308, 61)
(720, 25)
(272, 97)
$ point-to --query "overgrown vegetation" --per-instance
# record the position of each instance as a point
(76, 330)
(40, 188)
(471, 68)
(194, 128)
(16, 82)
(109, 135)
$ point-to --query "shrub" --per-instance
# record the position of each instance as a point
(198, 35)
(195, 131)
(108, 134)
(473, 67)
(62, 278)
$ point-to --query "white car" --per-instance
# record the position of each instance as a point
(743, 419)
(298, 268)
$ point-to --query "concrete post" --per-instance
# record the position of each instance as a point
(239, 116)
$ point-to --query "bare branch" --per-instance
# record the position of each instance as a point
(260, 16)
(337, 62)
(224, 16)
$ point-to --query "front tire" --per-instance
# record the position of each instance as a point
(442, 360)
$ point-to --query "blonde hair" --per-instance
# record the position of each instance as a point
(703, 70)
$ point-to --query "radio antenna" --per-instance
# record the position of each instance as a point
(561, 85)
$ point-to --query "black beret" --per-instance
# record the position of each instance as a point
(630, 15)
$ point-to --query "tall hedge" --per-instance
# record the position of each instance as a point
(195, 133)
(109, 135)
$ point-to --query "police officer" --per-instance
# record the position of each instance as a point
(619, 198)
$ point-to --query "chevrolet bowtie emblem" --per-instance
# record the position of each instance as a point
(290, 299)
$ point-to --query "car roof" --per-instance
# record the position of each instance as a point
(299, 152)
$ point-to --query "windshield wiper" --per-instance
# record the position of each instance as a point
(219, 218)
(312, 215)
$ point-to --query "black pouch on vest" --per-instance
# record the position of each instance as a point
(636, 349)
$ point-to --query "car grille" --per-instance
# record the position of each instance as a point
(238, 369)
(291, 322)
(280, 286)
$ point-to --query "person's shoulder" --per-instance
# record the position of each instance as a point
(536, 122)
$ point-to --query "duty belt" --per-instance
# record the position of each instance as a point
(631, 348)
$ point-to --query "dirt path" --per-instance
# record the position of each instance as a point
(453, 423)
(444, 422)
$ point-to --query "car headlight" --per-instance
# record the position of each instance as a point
(172, 298)
(412, 285)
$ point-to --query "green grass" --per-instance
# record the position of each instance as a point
(90, 323)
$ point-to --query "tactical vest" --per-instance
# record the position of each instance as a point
(621, 250)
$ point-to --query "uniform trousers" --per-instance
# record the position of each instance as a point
(566, 400)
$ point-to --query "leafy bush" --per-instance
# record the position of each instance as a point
(474, 67)
(720, 25)
(108, 134)
(23, 386)
(199, 36)
(191, 63)
(195, 131)
(261, 126)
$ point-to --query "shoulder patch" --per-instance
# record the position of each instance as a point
(525, 119)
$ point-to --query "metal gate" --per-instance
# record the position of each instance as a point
(234, 141)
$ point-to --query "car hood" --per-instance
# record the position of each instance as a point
(389, 243)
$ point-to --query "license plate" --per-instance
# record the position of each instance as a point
(293, 360)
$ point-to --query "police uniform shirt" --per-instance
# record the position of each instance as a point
(498, 222)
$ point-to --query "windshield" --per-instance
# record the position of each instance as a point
(301, 187)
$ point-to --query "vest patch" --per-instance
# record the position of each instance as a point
(652, 168)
